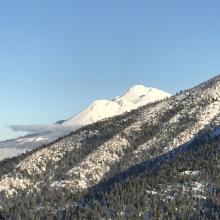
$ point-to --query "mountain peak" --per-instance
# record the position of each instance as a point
(139, 89)
(99, 102)
(141, 95)
(135, 97)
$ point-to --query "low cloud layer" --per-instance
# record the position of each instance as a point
(10, 152)
(32, 128)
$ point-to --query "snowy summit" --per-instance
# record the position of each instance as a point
(135, 97)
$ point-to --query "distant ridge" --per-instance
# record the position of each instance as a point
(135, 97)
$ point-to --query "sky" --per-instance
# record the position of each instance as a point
(56, 57)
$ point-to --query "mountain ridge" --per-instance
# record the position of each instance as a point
(57, 176)
(98, 110)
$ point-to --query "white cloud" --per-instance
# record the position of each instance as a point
(33, 128)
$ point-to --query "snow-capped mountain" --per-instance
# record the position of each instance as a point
(112, 168)
(135, 97)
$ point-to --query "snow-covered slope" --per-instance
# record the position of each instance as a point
(69, 166)
(100, 109)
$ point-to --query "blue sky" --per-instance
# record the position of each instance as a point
(58, 56)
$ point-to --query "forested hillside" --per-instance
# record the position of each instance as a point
(183, 184)
(160, 158)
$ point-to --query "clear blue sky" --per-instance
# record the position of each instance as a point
(58, 56)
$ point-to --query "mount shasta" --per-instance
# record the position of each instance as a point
(135, 97)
